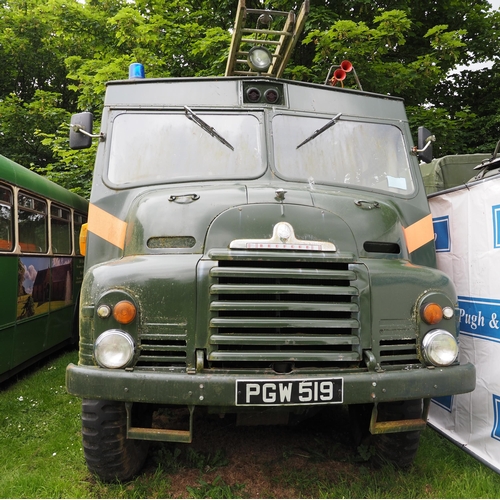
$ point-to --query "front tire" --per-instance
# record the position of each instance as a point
(108, 452)
(398, 448)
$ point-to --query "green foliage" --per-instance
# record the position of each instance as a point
(452, 132)
(19, 121)
(57, 56)
(372, 50)
(70, 169)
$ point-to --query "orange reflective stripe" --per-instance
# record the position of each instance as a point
(419, 233)
(107, 226)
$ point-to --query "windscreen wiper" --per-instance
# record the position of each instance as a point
(206, 127)
(331, 123)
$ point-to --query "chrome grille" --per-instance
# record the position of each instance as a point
(300, 312)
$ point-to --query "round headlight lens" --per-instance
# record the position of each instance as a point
(114, 349)
(440, 348)
(259, 59)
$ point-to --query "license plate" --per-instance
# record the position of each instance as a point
(309, 391)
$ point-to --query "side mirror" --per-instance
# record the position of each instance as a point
(424, 145)
(80, 132)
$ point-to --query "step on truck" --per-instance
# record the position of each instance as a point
(259, 247)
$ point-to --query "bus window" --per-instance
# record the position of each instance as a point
(6, 240)
(60, 225)
(32, 216)
(78, 221)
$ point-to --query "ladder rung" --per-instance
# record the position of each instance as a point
(260, 42)
(243, 53)
(250, 73)
(264, 11)
(266, 32)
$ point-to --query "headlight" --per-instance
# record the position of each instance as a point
(259, 59)
(440, 348)
(114, 349)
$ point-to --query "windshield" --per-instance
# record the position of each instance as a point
(149, 148)
(326, 151)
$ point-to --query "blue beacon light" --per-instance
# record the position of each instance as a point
(136, 70)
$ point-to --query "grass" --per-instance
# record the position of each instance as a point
(41, 456)
(40, 444)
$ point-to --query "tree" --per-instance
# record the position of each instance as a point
(58, 54)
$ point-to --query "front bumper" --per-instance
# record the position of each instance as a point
(219, 389)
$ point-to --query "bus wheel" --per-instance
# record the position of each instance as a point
(398, 448)
(108, 452)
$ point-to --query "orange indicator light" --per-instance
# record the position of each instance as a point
(432, 313)
(124, 312)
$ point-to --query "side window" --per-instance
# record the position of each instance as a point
(78, 221)
(60, 226)
(32, 217)
(6, 223)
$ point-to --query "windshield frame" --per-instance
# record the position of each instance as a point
(404, 151)
(111, 163)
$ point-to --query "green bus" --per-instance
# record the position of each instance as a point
(40, 264)
(257, 247)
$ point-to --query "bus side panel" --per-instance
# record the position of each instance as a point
(62, 300)
(33, 307)
(60, 326)
(9, 273)
(30, 339)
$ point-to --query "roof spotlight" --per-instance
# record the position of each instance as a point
(259, 59)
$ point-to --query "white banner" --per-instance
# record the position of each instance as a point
(467, 231)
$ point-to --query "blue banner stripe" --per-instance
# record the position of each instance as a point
(496, 226)
(495, 432)
(480, 318)
(442, 238)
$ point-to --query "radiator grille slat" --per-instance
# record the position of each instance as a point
(162, 349)
(271, 310)
(281, 323)
(282, 305)
(399, 351)
(311, 356)
(285, 289)
(219, 272)
(285, 340)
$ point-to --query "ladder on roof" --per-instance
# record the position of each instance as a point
(287, 29)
